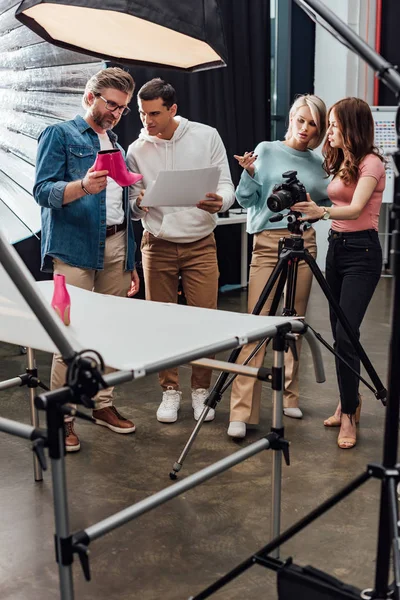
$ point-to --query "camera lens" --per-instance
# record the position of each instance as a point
(280, 200)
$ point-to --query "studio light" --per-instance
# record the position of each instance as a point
(186, 36)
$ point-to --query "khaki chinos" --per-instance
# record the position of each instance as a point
(196, 263)
(113, 280)
(246, 391)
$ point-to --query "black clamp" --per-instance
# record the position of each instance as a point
(38, 447)
(213, 399)
(278, 442)
(291, 345)
(84, 377)
(381, 395)
(381, 472)
(265, 374)
(277, 378)
(76, 544)
(31, 380)
(395, 208)
(40, 442)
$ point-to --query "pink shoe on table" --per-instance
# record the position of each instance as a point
(61, 301)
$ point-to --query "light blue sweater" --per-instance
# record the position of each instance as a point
(274, 158)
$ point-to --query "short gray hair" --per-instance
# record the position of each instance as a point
(113, 77)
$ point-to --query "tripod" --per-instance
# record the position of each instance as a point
(291, 252)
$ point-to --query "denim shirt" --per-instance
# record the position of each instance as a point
(76, 232)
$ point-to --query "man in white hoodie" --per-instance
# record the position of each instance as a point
(178, 241)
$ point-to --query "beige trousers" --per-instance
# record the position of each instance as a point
(113, 280)
(246, 391)
(196, 263)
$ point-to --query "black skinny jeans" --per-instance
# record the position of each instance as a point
(353, 268)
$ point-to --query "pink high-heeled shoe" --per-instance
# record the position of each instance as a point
(61, 301)
(113, 162)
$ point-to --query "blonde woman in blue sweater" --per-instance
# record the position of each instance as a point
(262, 169)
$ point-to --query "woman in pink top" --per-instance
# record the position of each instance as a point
(354, 259)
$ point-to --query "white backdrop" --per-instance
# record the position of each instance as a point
(129, 334)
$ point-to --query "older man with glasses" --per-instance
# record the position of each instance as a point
(87, 231)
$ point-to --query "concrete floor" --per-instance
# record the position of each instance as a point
(184, 545)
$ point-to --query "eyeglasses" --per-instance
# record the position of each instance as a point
(113, 106)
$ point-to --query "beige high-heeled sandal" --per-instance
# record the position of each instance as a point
(347, 442)
(334, 422)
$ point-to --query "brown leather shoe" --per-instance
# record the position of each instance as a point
(111, 418)
(72, 443)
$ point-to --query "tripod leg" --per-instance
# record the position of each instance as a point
(279, 271)
(272, 311)
(381, 391)
(290, 295)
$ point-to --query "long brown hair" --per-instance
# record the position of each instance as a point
(354, 119)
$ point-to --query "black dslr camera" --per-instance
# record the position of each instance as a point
(284, 195)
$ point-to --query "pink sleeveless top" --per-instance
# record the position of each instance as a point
(341, 194)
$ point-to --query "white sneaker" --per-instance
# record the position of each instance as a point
(168, 410)
(294, 413)
(199, 396)
(237, 429)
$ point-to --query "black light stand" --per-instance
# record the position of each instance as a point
(388, 472)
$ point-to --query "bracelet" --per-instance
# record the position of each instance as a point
(84, 189)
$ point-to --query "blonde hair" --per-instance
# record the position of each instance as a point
(113, 77)
(318, 111)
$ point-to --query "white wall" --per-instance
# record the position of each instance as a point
(340, 73)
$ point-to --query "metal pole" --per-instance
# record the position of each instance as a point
(222, 365)
(61, 521)
(263, 331)
(126, 515)
(316, 354)
(9, 383)
(16, 428)
(277, 423)
(387, 72)
(56, 444)
(390, 438)
(37, 469)
(282, 538)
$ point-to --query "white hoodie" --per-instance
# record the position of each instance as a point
(193, 146)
